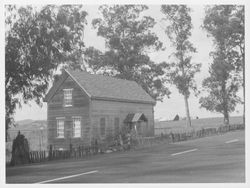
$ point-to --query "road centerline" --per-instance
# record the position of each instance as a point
(187, 151)
(231, 141)
(67, 177)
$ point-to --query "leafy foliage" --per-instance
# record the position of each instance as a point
(222, 88)
(128, 40)
(224, 23)
(36, 43)
(178, 29)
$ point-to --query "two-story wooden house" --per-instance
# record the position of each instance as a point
(83, 107)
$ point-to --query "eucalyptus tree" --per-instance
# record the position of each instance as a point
(128, 39)
(225, 25)
(182, 70)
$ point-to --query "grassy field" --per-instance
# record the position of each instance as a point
(180, 126)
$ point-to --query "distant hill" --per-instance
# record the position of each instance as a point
(25, 121)
(30, 124)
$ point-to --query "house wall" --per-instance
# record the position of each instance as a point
(80, 108)
(112, 109)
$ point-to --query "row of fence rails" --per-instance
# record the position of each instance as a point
(72, 153)
(189, 134)
(237, 126)
(232, 127)
(162, 130)
(77, 152)
(147, 141)
(176, 137)
(85, 151)
(38, 156)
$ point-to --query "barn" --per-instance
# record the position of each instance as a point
(83, 107)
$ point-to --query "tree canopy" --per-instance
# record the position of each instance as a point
(226, 24)
(128, 40)
(36, 42)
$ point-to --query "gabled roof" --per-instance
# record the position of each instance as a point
(106, 88)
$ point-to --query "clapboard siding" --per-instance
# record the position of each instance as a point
(91, 110)
(79, 108)
(111, 110)
(79, 97)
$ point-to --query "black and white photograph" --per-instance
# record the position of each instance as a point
(131, 93)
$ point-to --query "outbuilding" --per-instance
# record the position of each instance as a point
(83, 107)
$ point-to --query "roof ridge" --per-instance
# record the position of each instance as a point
(109, 87)
(101, 75)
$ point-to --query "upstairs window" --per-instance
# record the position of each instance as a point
(76, 127)
(102, 126)
(60, 127)
(67, 96)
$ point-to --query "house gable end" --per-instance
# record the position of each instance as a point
(83, 89)
(56, 86)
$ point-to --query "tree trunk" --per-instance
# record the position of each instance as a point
(225, 103)
(226, 117)
(244, 96)
(187, 111)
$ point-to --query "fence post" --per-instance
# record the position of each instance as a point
(70, 149)
(50, 152)
(30, 157)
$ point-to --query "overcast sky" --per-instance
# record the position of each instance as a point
(170, 106)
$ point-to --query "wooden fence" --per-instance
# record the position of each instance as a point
(177, 137)
(73, 153)
(86, 151)
(38, 156)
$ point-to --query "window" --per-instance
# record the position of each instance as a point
(116, 126)
(76, 127)
(67, 95)
(60, 127)
(102, 126)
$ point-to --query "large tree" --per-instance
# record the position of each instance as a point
(182, 69)
(225, 24)
(222, 87)
(128, 40)
(36, 42)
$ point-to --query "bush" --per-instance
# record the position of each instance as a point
(20, 150)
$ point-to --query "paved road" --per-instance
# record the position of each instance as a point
(207, 160)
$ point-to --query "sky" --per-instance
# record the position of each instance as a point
(169, 107)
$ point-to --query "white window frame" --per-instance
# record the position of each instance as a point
(74, 119)
(60, 130)
(68, 95)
